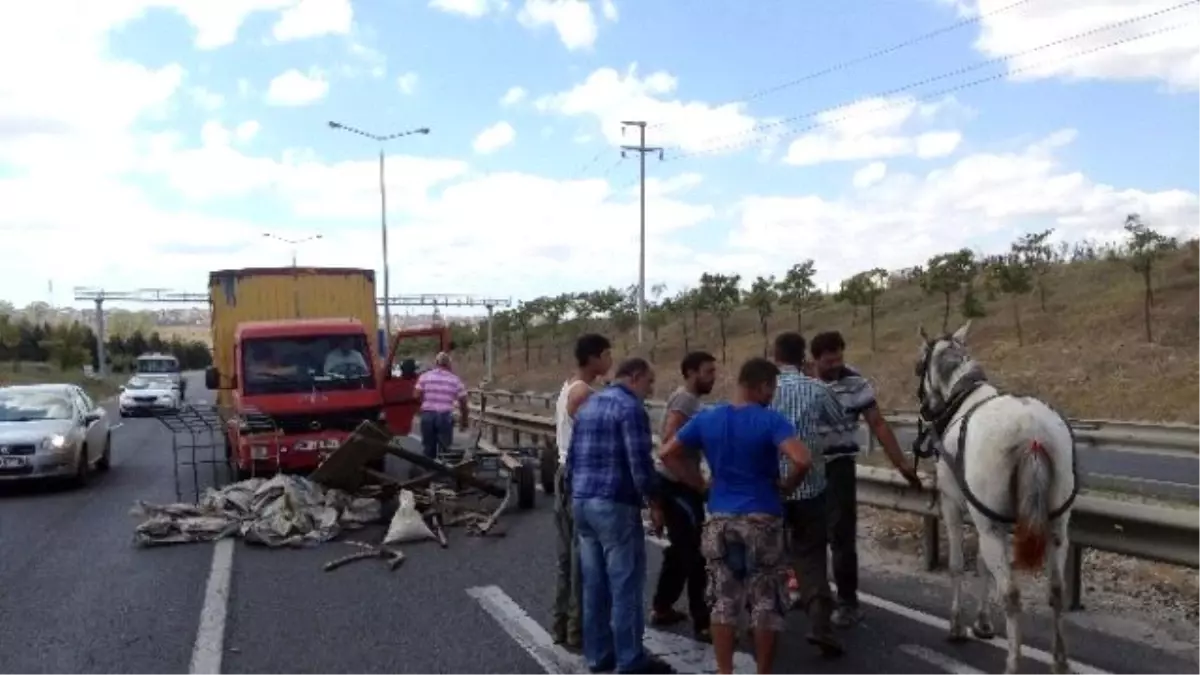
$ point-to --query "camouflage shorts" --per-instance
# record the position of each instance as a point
(747, 565)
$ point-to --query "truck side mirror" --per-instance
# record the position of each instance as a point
(212, 378)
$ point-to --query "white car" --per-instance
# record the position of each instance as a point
(147, 396)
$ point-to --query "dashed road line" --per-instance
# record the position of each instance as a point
(939, 660)
(527, 632)
(210, 636)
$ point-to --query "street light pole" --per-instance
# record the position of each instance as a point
(294, 243)
(383, 235)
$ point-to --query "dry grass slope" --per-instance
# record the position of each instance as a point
(1085, 354)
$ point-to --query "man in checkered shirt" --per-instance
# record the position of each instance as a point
(809, 405)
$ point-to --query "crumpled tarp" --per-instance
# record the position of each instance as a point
(280, 511)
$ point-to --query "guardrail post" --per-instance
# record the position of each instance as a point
(930, 543)
(1074, 577)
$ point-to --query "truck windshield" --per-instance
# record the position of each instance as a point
(285, 365)
(157, 365)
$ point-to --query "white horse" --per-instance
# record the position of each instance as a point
(1008, 461)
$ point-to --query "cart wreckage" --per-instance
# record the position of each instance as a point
(346, 492)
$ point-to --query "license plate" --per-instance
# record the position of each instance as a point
(12, 462)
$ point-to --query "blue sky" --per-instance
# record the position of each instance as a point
(161, 139)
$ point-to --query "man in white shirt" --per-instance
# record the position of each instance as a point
(593, 359)
(345, 360)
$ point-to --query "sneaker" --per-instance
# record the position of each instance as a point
(826, 643)
(666, 617)
(655, 666)
(846, 615)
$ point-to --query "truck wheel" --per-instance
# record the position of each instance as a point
(549, 467)
(526, 487)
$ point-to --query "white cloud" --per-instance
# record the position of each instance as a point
(1170, 57)
(869, 175)
(246, 131)
(874, 128)
(494, 137)
(609, 8)
(407, 83)
(513, 96)
(294, 88)
(908, 217)
(572, 19)
(472, 9)
(205, 99)
(692, 126)
(313, 18)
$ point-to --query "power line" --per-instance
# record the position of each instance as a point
(843, 65)
(786, 122)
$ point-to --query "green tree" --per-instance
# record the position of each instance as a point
(1037, 255)
(762, 298)
(1146, 247)
(948, 273)
(799, 291)
(502, 328)
(656, 318)
(624, 316)
(863, 290)
(679, 306)
(523, 318)
(553, 311)
(65, 346)
(1009, 275)
(10, 339)
(720, 295)
(583, 309)
(606, 302)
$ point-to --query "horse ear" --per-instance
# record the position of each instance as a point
(922, 334)
(960, 335)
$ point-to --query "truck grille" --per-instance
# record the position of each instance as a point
(341, 420)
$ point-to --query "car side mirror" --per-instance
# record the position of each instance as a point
(93, 416)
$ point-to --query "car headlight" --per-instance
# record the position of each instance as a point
(55, 442)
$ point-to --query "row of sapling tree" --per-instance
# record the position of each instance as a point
(70, 345)
(958, 278)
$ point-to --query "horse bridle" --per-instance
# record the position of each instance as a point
(935, 420)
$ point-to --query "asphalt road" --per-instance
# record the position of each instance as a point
(77, 596)
(1158, 475)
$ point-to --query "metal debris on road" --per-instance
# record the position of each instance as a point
(280, 511)
(393, 557)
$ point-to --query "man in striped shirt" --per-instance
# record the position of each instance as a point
(809, 405)
(439, 390)
(839, 440)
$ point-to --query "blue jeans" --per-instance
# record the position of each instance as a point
(612, 559)
(437, 429)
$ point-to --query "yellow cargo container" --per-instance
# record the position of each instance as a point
(280, 293)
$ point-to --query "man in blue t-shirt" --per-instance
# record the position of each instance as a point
(743, 539)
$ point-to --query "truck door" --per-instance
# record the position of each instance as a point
(399, 377)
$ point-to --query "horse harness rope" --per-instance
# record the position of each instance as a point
(932, 425)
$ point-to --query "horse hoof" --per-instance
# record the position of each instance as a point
(983, 632)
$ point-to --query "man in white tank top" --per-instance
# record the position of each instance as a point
(593, 359)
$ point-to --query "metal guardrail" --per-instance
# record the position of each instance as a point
(1147, 532)
(1167, 439)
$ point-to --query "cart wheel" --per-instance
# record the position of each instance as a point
(526, 487)
(549, 467)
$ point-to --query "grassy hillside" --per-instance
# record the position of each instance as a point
(1086, 353)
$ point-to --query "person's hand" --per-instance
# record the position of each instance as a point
(910, 475)
(656, 520)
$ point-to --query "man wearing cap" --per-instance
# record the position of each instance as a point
(439, 389)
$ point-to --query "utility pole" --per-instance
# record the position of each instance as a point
(641, 149)
(381, 139)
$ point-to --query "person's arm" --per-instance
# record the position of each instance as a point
(783, 435)
(576, 397)
(639, 446)
(674, 455)
(463, 410)
(891, 447)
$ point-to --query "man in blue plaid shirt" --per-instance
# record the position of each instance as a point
(809, 405)
(611, 469)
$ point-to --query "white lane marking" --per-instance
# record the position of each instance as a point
(939, 660)
(116, 426)
(210, 636)
(528, 633)
(939, 623)
(686, 655)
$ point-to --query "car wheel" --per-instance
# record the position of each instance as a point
(82, 472)
(105, 461)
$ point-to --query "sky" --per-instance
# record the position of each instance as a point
(144, 143)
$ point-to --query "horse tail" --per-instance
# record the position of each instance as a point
(1035, 477)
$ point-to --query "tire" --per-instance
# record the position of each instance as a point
(526, 487)
(548, 461)
(82, 470)
(105, 462)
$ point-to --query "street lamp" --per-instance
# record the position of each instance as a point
(294, 243)
(381, 139)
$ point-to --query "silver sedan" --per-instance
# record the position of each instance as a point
(52, 431)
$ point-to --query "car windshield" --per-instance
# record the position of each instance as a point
(29, 406)
(157, 365)
(310, 363)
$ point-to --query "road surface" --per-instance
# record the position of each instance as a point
(1166, 476)
(77, 596)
